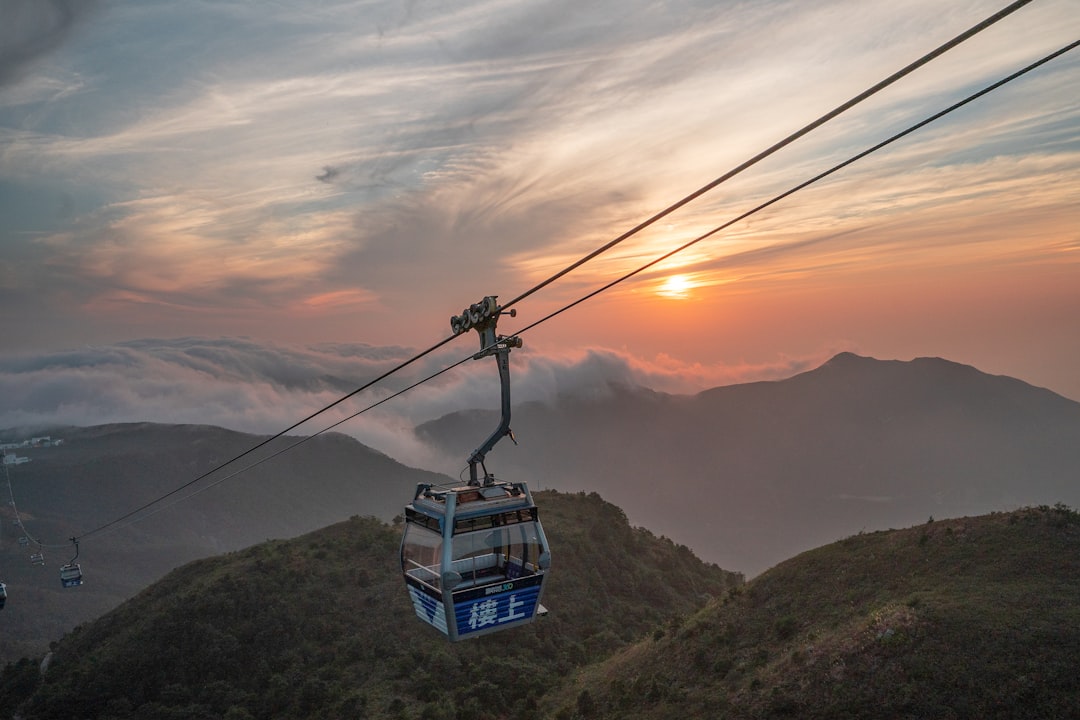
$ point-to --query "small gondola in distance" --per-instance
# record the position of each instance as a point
(71, 574)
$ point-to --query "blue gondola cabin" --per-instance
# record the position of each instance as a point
(474, 558)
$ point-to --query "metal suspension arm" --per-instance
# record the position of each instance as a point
(483, 317)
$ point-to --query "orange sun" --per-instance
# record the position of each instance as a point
(676, 287)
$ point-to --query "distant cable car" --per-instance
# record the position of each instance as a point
(71, 574)
(475, 557)
(37, 558)
(3, 595)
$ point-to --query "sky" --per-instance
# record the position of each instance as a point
(232, 212)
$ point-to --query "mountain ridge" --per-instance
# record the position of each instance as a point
(789, 464)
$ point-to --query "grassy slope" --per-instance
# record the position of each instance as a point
(967, 618)
(320, 626)
(100, 473)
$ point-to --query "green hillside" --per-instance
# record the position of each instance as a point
(103, 472)
(321, 627)
(968, 618)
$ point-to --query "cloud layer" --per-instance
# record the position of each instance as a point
(260, 388)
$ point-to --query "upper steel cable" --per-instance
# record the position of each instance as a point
(811, 181)
(941, 49)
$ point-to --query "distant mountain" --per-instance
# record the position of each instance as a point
(99, 474)
(965, 618)
(321, 627)
(748, 475)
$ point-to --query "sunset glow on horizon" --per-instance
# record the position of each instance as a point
(352, 175)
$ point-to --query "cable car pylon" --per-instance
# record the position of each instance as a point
(474, 557)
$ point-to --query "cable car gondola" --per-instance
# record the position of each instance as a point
(474, 557)
(71, 574)
(3, 595)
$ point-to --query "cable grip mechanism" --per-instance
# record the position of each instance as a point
(483, 316)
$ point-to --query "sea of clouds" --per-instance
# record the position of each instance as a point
(264, 388)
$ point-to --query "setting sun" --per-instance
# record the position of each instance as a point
(676, 287)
